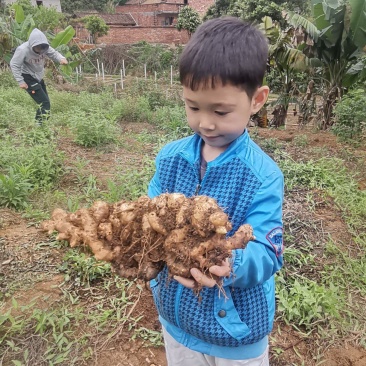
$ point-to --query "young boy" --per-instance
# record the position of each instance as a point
(221, 70)
(27, 66)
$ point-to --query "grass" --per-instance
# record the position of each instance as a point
(90, 150)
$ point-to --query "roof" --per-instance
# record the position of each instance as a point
(110, 19)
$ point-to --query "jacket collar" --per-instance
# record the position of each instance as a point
(192, 151)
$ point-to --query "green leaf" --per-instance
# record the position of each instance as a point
(19, 13)
(358, 22)
(297, 21)
(63, 37)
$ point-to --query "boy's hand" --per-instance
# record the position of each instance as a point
(24, 86)
(204, 280)
(63, 61)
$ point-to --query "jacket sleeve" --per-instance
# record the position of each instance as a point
(54, 55)
(16, 64)
(262, 257)
(154, 188)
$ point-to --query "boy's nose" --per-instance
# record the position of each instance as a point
(206, 123)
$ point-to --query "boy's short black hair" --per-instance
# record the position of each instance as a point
(225, 50)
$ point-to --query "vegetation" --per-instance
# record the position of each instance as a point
(16, 29)
(255, 10)
(100, 143)
(71, 6)
(350, 112)
(96, 26)
(338, 42)
(44, 18)
(188, 19)
(313, 297)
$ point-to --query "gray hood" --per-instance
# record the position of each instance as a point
(37, 37)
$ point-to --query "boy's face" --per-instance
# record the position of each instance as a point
(220, 115)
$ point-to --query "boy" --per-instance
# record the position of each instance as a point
(27, 66)
(221, 70)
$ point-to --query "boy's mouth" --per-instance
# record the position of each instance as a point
(209, 137)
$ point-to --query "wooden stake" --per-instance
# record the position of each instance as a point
(98, 67)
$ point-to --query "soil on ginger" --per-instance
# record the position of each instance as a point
(32, 274)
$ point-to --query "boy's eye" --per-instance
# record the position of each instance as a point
(221, 113)
(193, 108)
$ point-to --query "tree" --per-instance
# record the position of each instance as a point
(255, 10)
(338, 37)
(70, 6)
(188, 19)
(96, 26)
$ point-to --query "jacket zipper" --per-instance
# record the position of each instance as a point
(177, 303)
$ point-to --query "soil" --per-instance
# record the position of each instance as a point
(35, 276)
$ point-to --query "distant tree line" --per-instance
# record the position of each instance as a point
(70, 6)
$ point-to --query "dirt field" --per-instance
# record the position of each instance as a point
(23, 264)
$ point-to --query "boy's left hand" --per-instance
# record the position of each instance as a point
(204, 280)
(63, 61)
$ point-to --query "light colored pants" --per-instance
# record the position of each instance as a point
(179, 355)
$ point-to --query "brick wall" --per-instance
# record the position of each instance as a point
(150, 15)
(129, 35)
(201, 6)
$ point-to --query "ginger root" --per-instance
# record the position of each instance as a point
(139, 237)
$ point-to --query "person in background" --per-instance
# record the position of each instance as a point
(222, 69)
(28, 66)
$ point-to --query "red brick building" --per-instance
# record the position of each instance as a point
(152, 21)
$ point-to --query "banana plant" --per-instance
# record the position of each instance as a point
(338, 33)
(288, 58)
(16, 29)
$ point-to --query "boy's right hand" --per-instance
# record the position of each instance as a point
(24, 86)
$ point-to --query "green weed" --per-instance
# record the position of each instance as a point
(305, 303)
(93, 129)
(82, 269)
(14, 190)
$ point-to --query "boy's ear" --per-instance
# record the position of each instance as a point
(260, 97)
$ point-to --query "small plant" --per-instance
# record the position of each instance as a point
(93, 129)
(82, 269)
(152, 336)
(306, 303)
(14, 190)
(350, 115)
(172, 120)
(301, 140)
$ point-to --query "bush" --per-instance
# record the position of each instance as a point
(93, 129)
(172, 119)
(7, 80)
(350, 115)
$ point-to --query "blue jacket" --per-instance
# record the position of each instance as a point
(249, 186)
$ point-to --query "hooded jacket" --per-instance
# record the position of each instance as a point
(26, 61)
(249, 185)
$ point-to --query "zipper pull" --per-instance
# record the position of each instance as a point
(197, 189)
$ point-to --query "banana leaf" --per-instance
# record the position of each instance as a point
(63, 37)
(19, 13)
(358, 22)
